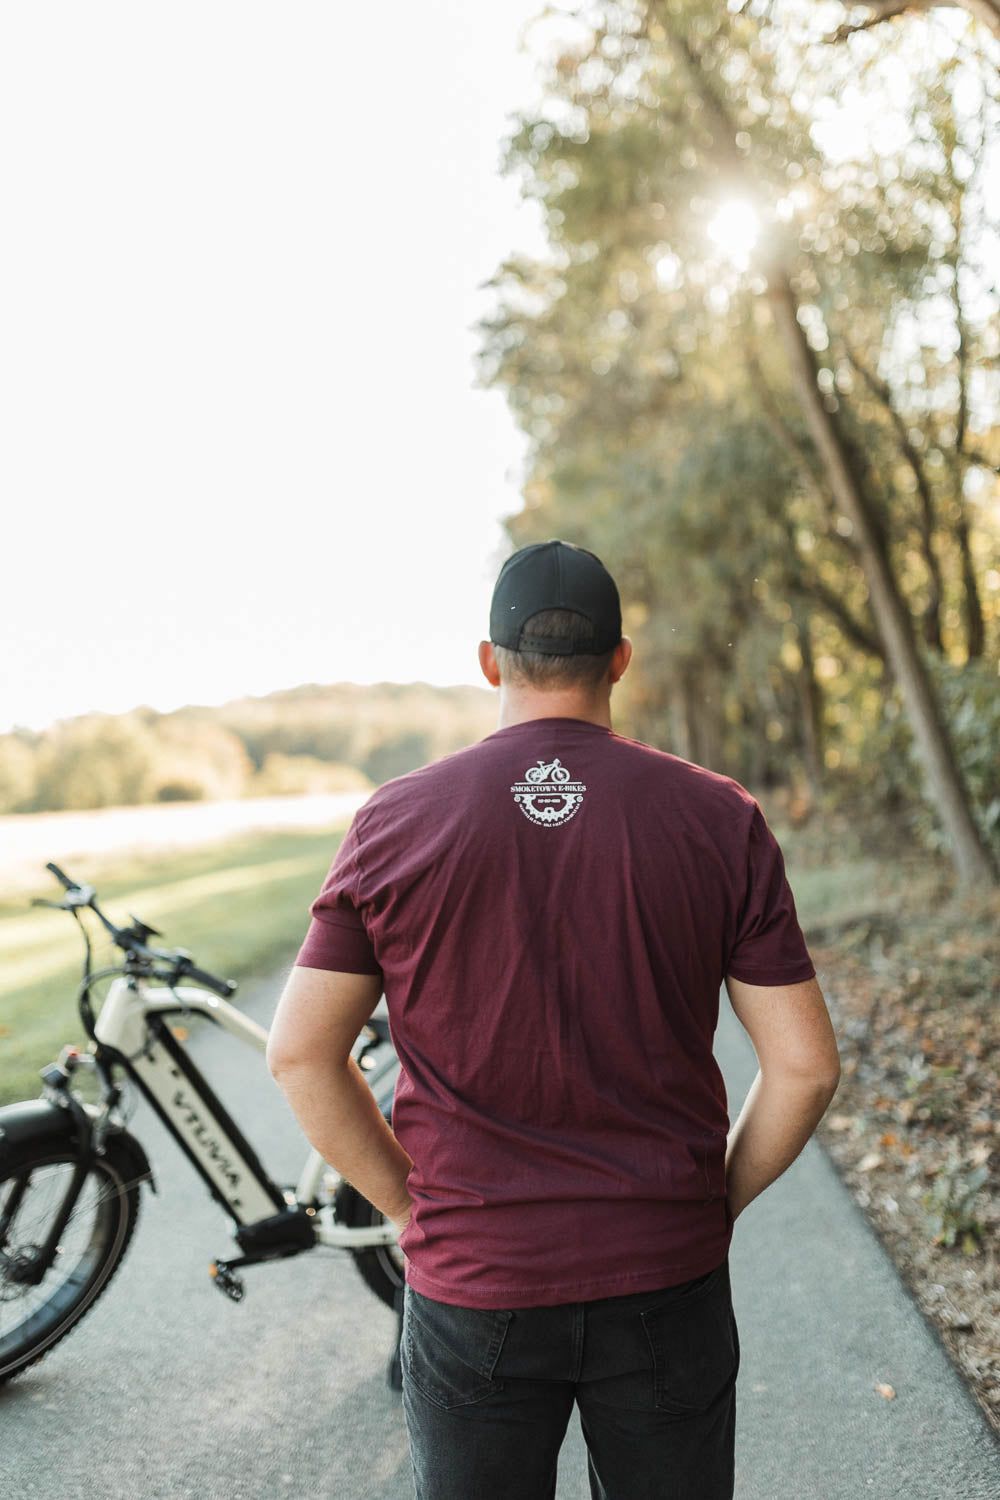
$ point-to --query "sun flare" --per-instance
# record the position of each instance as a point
(735, 231)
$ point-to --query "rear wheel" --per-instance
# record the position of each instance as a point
(381, 1266)
(33, 1186)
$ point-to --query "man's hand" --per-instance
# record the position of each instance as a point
(315, 1026)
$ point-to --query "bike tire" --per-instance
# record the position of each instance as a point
(381, 1267)
(34, 1318)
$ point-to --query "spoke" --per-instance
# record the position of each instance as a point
(42, 1196)
(33, 1317)
(26, 1230)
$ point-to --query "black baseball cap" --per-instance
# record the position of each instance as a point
(555, 575)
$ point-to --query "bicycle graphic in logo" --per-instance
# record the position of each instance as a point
(547, 795)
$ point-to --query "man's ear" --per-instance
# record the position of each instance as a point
(488, 663)
(620, 659)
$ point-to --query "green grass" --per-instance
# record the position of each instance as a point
(239, 908)
(840, 894)
(837, 883)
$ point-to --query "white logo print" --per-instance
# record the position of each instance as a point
(546, 795)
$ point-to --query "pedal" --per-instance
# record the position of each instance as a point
(226, 1280)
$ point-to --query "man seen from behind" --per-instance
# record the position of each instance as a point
(552, 914)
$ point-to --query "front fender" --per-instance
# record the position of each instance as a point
(39, 1123)
(34, 1122)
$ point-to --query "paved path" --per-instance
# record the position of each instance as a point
(823, 1317)
(169, 1392)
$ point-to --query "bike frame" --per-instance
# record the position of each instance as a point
(133, 1025)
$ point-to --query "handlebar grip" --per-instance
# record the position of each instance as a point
(64, 880)
(221, 987)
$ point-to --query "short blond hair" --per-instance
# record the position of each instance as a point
(548, 670)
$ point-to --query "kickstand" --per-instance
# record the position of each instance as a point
(395, 1361)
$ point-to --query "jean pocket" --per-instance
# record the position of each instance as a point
(694, 1342)
(449, 1353)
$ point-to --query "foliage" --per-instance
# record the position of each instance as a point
(308, 739)
(383, 730)
(971, 704)
(303, 775)
(909, 971)
(883, 761)
(950, 1204)
(680, 154)
(18, 773)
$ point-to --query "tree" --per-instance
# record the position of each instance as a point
(17, 774)
(847, 479)
(96, 761)
(634, 352)
(195, 760)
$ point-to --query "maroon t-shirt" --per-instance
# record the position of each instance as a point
(553, 911)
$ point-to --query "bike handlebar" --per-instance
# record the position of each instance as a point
(221, 987)
(132, 940)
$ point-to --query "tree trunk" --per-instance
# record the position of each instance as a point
(702, 717)
(892, 619)
(972, 609)
(811, 700)
(987, 11)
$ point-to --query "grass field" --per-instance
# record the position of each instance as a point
(239, 909)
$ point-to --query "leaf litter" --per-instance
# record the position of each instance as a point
(914, 1129)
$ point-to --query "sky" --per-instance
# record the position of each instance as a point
(244, 251)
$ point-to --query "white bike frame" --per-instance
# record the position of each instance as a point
(133, 1022)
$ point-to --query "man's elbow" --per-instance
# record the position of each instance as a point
(828, 1069)
(818, 1074)
(830, 1082)
(283, 1060)
(291, 1062)
(275, 1062)
(826, 1078)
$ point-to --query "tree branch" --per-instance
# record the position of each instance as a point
(803, 581)
(972, 456)
(987, 11)
(880, 12)
(808, 586)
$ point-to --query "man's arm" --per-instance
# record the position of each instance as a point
(315, 1026)
(790, 1028)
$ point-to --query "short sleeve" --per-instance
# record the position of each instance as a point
(337, 938)
(769, 947)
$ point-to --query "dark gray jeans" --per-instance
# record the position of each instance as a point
(488, 1394)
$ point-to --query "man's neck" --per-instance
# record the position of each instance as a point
(519, 706)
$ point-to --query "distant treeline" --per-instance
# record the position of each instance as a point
(306, 739)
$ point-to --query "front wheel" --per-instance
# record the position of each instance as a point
(381, 1267)
(34, 1184)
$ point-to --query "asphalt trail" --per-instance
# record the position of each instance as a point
(168, 1391)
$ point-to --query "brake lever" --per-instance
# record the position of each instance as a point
(81, 895)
